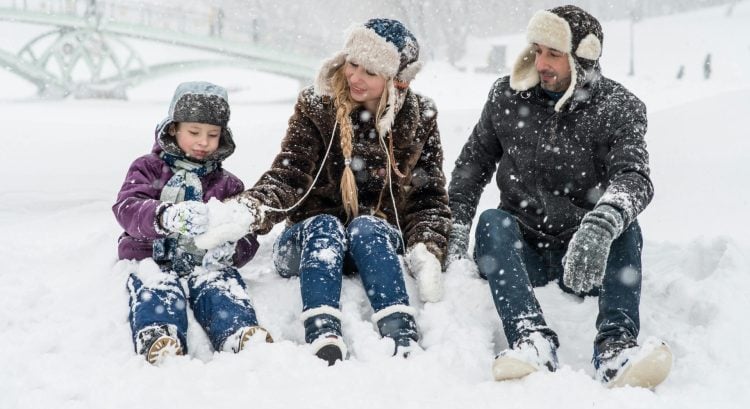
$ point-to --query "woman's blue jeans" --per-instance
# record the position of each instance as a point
(513, 267)
(316, 250)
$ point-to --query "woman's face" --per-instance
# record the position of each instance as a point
(364, 87)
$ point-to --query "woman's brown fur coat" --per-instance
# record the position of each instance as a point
(421, 197)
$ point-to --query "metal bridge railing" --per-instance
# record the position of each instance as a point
(85, 53)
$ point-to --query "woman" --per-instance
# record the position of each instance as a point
(359, 179)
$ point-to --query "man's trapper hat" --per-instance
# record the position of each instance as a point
(568, 29)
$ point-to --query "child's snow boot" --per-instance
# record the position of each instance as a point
(620, 362)
(397, 322)
(323, 333)
(246, 336)
(531, 353)
(158, 342)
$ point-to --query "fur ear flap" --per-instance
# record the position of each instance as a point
(323, 81)
(589, 48)
(386, 120)
(573, 82)
(410, 71)
(524, 75)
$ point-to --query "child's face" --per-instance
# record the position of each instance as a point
(196, 139)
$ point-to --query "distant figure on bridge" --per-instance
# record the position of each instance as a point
(93, 13)
(707, 66)
(359, 181)
(90, 8)
(161, 207)
(217, 22)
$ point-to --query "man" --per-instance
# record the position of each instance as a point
(572, 168)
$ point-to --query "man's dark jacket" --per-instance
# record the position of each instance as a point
(553, 167)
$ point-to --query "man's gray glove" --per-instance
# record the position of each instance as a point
(586, 259)
(188, 218)
(458, 243)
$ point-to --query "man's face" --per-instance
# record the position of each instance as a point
(553, 68)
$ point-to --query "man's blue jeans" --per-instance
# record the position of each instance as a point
(513, 267)
(316, 249)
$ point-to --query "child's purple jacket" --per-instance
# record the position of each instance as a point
(138, 206)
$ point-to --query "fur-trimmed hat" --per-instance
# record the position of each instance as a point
(568, 29)
(382, 46)
(198, 101)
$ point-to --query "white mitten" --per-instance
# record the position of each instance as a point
(425, 267)
(189, 218)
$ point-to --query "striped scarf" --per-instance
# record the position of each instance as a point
(185, 184)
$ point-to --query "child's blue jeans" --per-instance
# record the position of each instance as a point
(218, 299)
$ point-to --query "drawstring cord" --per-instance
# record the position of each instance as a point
(320, 170)
(390, 187)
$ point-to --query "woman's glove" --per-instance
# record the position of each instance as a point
(425, 267)
(586, 259)
(189, 218)
(255, 210)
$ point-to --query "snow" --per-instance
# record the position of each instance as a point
(227, 221)
(64, 304)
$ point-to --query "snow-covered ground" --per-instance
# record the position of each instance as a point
(64, 336)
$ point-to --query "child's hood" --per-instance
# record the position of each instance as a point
(197, 102)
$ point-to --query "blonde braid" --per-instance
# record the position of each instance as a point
(344, 107)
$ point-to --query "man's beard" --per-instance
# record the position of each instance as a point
(557, 85)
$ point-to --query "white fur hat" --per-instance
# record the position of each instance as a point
(569, 29)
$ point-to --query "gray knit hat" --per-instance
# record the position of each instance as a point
(202, 102)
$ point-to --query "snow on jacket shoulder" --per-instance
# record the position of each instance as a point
(553, 167)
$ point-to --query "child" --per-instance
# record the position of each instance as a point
(161, 207)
